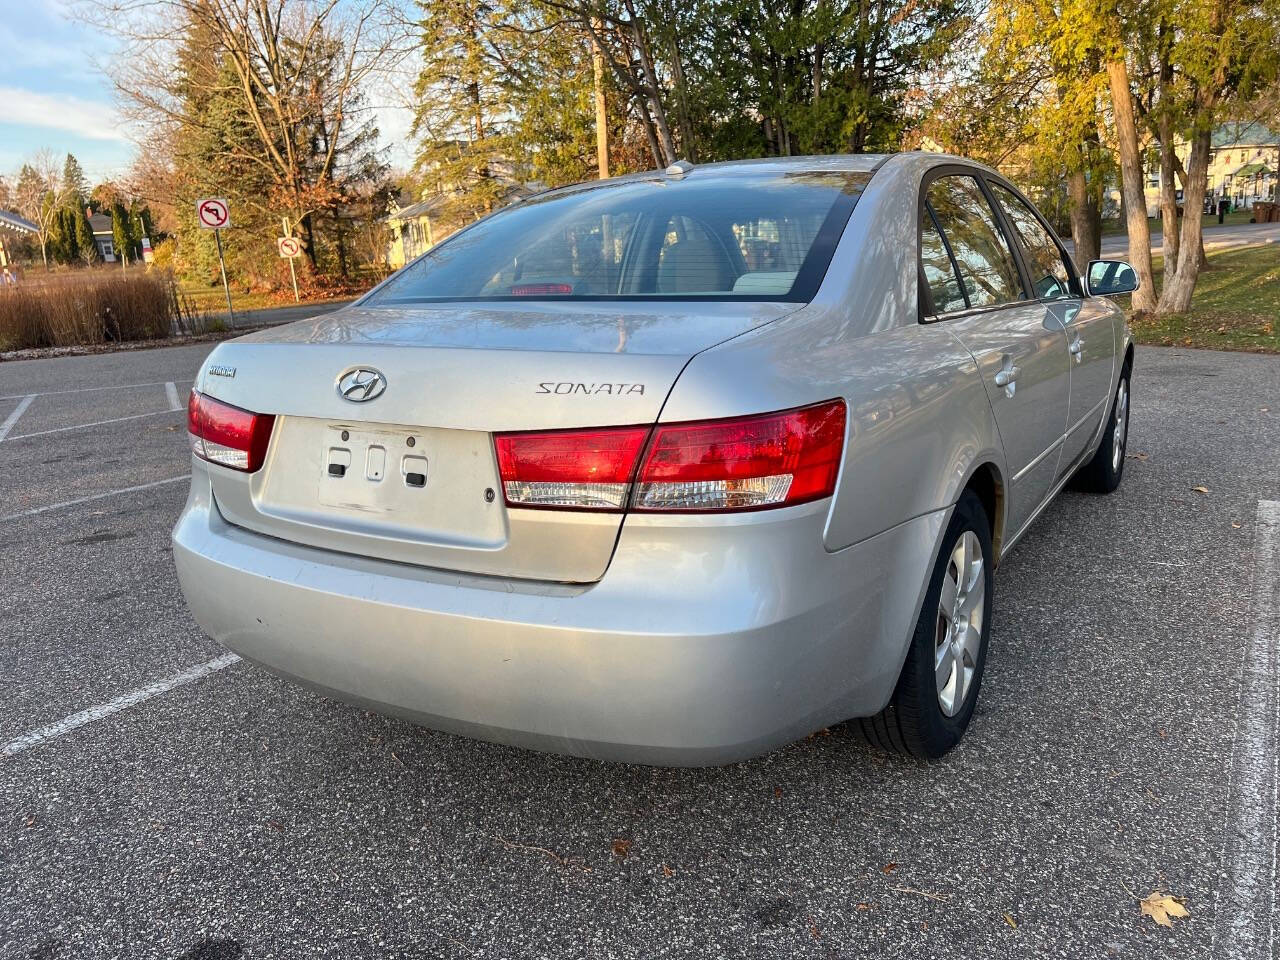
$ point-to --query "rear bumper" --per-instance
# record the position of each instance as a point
(702, 644)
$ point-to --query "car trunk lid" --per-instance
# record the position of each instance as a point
(410, 474)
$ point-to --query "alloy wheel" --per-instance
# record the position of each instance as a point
(1120, 433)
(961, 608)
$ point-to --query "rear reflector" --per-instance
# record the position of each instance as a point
(227, 435)
(747, 463)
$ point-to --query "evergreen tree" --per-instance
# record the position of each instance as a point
(74, 183)
(87, 249)
(121, 232)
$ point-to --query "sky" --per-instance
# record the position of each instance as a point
(55, 94)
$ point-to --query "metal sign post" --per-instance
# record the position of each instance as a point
(289, 248)
(214, 213)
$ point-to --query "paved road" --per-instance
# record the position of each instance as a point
(235, 815)
(1215, 238)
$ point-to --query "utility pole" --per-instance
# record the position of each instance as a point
(602, 113)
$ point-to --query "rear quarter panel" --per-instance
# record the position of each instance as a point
(919, 420)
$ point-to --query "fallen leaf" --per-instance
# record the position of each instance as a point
(621, 848)
(1138, 456)
(889, 867)
(862, 907)
(1200, 489)
(1161, 906)
(667, 872)
(1008, 918)
(777, 792)
(276, 825)
(31, 820)
(1236, 525)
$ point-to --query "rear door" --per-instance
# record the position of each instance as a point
(1090, 331)
(972, 283)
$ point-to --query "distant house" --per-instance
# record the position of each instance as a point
(417, 227)
(103, 236)
(10, 225)
(1244, 167)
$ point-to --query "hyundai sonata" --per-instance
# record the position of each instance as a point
(672, 468)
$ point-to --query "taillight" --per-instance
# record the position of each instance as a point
(773, 460)
(579, 469)
(227, 435)
(747, 463)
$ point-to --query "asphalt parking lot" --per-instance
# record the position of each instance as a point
(1125, 742)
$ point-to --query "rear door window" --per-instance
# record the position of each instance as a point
(988, 271)
(939, 271)
(1050, 275)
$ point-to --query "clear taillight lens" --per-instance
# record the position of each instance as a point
(747, 463)
(575, 469)
(773, 460)
(227, 435)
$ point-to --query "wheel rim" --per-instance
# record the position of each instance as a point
(961, 607)
(1119, 433)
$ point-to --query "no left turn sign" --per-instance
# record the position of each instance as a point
(289, 247)
(213, 213)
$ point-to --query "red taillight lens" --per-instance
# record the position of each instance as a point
(749, 463)
(772, 460)
(227, 435)
(581, 469)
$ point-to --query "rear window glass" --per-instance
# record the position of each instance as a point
(717, 236)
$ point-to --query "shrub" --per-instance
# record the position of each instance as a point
(90, 306)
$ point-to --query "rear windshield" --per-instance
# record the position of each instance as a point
(714, 236)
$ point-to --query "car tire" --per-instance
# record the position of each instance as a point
(1103, 473)
(931, 706)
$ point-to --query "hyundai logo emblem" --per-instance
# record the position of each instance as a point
(360, 384)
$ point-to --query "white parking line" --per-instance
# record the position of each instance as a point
(171, 391)
(96, 496)
(38, 736)
(12, 418)
(96, 423)
(1244, 926)
(114, 386)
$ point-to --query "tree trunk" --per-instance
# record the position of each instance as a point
(684, 118)
(1168, 158)
(1176, 295)
(1086, 220)
(1168, 198)
(1135, 202)
(662, 128)
(602, 111)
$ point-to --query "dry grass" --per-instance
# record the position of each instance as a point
(93, 306)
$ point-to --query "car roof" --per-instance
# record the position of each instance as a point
(840, 162)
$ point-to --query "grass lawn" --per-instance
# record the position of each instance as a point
(1112, 228)
(1236, 305)
(214, 300)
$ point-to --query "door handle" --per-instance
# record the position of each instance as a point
(1006, 376)
(1077, 348)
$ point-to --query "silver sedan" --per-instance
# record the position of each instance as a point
(673, 468)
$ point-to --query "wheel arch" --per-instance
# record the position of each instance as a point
(987, 482)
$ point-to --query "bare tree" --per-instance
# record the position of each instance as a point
(295, 70)
(39, 196)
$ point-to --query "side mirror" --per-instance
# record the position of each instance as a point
(1107, 278)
